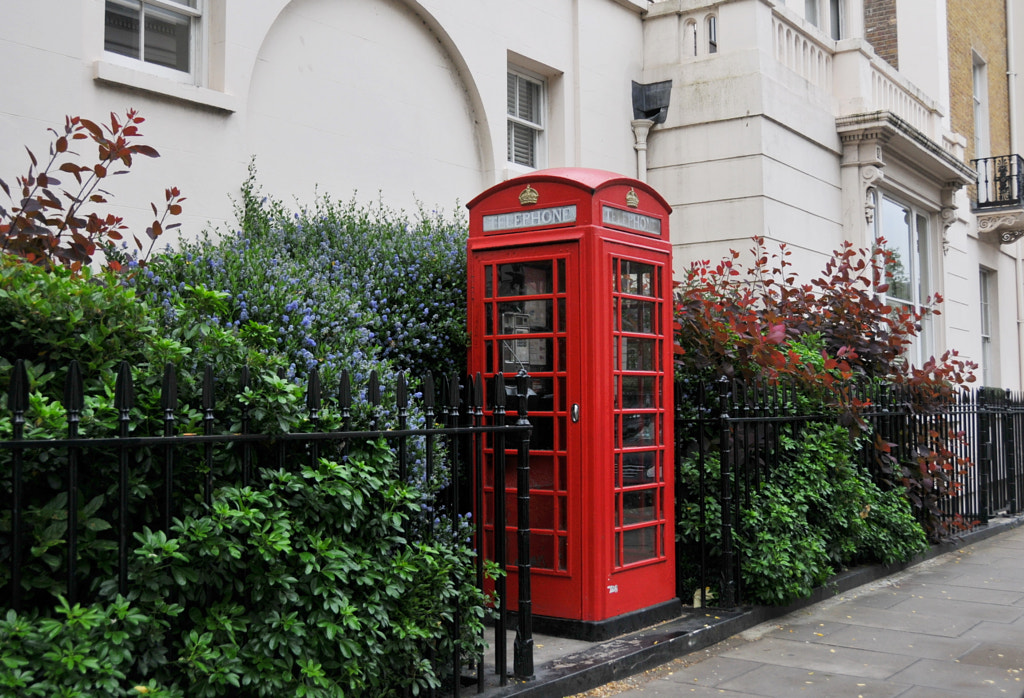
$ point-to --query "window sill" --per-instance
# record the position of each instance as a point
(114, 74)
(512, 170)
(639, 6)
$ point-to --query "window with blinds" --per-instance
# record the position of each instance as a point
(159, 32)
(525, 119)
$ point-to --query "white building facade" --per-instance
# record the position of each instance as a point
(400, 100)
(806, 121)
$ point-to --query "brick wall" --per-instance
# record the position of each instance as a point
(880, 28)
(978, 26)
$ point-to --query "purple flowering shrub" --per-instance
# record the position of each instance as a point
(340, 286)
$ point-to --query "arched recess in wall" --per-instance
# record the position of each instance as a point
(690, 48)
(366, 96)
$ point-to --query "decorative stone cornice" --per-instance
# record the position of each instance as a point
(899, 138)
(864, 135)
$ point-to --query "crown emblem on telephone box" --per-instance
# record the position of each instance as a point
(528, 196)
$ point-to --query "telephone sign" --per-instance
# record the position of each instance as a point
(500, 222)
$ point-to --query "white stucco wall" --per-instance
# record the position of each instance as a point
(344, 94)
(402, 100)
(749, 146)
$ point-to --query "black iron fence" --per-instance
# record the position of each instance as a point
(454, 431)
(1000, 181)
(999, 420)
(731, 434)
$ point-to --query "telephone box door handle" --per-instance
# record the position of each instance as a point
(574, 413)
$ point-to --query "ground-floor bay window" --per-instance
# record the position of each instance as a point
(909, 273)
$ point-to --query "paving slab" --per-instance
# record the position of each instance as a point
(955, 676)
(970, 610)
(983, 579)
(949, 592)
(822, 658)
(997, 656)
(942, 625)
(784, 682)
(670, 690)
(1007, 546)
(713, 671)
(1002, 633)
(931, 692)
(899, 642)
(882, 598)
(809, 630)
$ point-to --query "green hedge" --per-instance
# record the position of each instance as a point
(324, 580)
(818, 513)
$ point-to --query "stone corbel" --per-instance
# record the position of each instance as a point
(949, 217)
(949, 212)
(870, 176)
(1004, 228)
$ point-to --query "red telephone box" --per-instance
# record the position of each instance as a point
(570, 278)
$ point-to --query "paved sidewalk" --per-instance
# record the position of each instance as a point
(950, 626)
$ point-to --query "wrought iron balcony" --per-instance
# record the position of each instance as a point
(1000, 182)
(999, 198)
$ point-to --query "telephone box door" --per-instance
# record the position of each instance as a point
(642, 428)
(529, 320)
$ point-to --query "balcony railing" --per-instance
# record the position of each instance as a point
(1000, 182)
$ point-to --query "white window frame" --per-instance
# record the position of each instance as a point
(538, 128)
(837, 19)
(979, 77)
(827, 15)
(700, 36)
(196, 45)
(811, 11)
(917, 239)
(986, 279)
